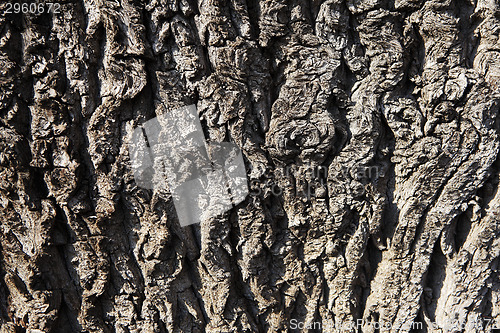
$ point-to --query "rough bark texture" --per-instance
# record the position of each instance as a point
(370, 132)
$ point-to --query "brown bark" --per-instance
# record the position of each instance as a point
(370, 133)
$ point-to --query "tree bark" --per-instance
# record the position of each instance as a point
(370, 133)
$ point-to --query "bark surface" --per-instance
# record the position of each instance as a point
(370, 133)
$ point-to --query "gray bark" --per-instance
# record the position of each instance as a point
(370, 133)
